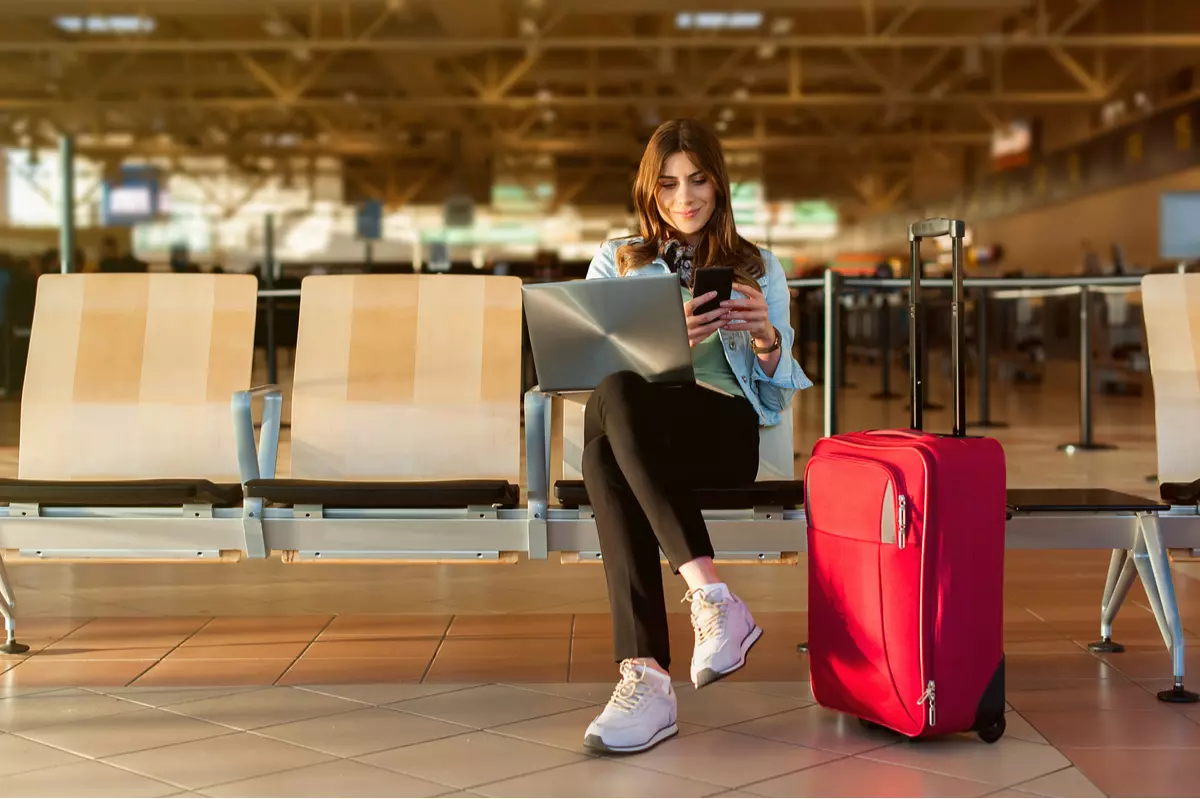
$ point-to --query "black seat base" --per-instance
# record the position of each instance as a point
(1180, 493)
(1082, 500)
(405, 495)
(119, 493)
(787, 494)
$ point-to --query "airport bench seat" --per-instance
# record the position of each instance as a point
(162, 493)
(1079, 500)
(386, 494)
(787, 494)
(1180, 493)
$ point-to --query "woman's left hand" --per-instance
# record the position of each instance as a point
(750, 313)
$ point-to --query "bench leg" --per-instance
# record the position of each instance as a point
(8, 606)
(1121, 571)
(1152, 557)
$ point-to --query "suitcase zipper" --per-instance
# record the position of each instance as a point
(929, 699)
(901, 520)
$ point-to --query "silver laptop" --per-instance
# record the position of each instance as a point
(581, 331)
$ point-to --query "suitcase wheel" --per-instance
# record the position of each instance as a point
(993, 732)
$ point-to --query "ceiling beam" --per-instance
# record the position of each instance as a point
(238, 103)
(988, 41)
(41, 8)
(598, 145)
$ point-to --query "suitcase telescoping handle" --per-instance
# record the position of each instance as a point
(929, 229)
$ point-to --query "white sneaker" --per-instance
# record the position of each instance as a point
(725, 631)
(640, 714)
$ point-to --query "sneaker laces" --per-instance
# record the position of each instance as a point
(708, 617)
(632, 688)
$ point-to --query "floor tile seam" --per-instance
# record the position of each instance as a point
(1044, 776)
(1000, 786)
(841, 754)
(582, 702)
(1128, 747)
(160, 780)
(175, 712)
(581, 758)
(303, 651)
(133, 708)
(624, 759)
(571, 645)
(100, 758)
(628, 764)
(437, 650)
(202, 788)
(311, 689)
(485, 729)
(770, 715)
(467, 729)
(746, 786)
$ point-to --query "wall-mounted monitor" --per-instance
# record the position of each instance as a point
(1013, 144)
(1179, 225)
(134, 196)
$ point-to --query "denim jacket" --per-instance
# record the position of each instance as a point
(770, 396)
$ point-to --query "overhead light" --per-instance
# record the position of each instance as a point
(781, 26)
(726, 114)
(722, 126)
(274, 26)
(528, 27)
(544, 95)
(718, 20)
(741, 93)
(766, 50)
(105, 23)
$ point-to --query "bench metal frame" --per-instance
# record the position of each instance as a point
(314, 534)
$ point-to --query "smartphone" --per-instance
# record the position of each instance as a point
(712, 278)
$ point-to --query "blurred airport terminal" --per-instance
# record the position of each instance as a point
(283, 512)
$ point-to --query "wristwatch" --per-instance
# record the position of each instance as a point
(774, 346)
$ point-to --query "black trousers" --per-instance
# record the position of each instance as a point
(646, 447)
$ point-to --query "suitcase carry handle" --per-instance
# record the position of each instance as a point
(895, 433)
(935, 228)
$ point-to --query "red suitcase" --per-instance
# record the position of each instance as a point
(906, 559)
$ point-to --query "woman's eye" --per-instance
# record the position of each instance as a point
(667, 186)
(699, 181)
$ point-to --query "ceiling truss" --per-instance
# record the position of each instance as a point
(414, 88)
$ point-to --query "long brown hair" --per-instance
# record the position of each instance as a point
(720, 244)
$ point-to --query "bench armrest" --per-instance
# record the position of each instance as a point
(537, 451)
(257, 462)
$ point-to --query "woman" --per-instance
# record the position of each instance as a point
(647, 446)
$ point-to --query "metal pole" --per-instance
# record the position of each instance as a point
(916, 381)
(832, 344)
(885, 349)
(985, 376)
(268, 274)
(841, 346)
(957, 342)
(1085, 441)
(66, 233)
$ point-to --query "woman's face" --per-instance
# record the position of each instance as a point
(686, 197)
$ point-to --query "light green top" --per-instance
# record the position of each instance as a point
(711, 365)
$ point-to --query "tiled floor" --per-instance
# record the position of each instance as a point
(267, 679)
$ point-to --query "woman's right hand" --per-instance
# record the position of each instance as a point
(702, 326)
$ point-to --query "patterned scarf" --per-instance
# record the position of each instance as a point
(678, 257)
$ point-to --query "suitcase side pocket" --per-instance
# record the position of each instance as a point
(857, 525)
